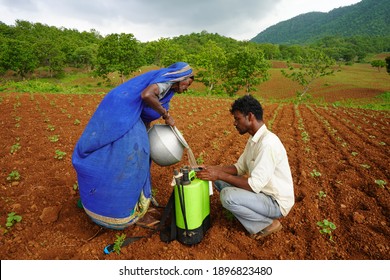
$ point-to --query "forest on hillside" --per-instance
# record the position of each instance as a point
(367, 18)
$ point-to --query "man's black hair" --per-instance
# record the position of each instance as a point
(248, 104)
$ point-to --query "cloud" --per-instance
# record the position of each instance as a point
(19, 5)
(154, 19)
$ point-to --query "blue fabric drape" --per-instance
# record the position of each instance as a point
(112, 156)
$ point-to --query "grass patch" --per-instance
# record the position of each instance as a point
(381, 103)
(276, 90)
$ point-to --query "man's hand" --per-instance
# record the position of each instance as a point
(208, 173)
(224, 173)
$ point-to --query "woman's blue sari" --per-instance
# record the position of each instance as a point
(112, 156)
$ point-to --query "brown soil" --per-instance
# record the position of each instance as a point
(348, 147)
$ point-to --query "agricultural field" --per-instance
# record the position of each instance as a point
(339, 157)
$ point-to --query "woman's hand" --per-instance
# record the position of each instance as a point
(168, 119)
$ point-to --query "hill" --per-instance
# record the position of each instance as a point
(366, 18)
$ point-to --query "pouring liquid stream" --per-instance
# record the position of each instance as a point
(194, 164)
(191, 158)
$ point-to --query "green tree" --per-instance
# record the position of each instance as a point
(49, 55)
(118, 53)
(337, 48)
(172, 53)
(149, 52)
(85, 56)
(17, 56)
(211, 62)
(163, 52)
(292, 52)
(378, 64)
(271, 51)
(246, 67)
(313, 65)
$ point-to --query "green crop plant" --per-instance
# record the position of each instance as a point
(215, 145)
(53, 138)
(366, 166)
(118, 242)
(76, 122)
(59, 154)
(50, 127)
(305, 136)
(321, 194)
(326, 227)
(15, 147)
(13, 176)
(199, 159)
(301, 126)
(315, 173)
(76, 186)
(17, 104)
(12, 219)
(272, 120)
(380, 183)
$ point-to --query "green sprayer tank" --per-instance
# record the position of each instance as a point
(192, 207)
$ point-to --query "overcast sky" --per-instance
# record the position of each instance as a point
(150, 20)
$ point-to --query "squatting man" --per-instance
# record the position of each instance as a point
(258, 188)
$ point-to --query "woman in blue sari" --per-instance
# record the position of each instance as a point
(112, 156)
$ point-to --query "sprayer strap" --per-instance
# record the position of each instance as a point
(168, 232)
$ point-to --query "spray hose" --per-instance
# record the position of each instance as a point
(180, 189)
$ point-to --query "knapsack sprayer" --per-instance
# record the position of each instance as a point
(192, 206)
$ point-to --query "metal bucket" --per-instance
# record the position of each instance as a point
(166, 144)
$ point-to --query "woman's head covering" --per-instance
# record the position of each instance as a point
(178, 71)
